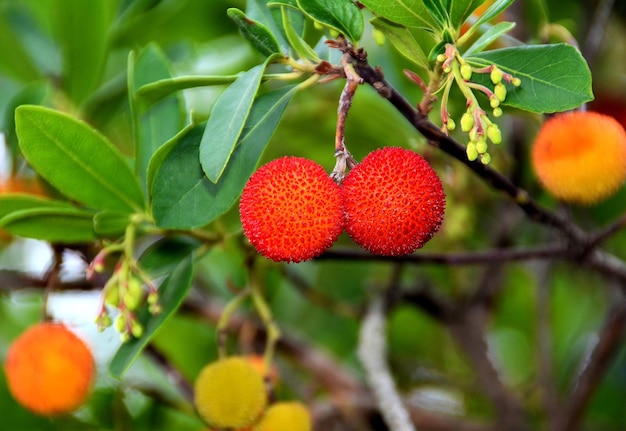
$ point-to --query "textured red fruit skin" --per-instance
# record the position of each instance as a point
(291, 210)
(394, 202)
(49, 369)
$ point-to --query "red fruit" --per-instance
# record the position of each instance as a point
(394, 202)
(49, 369)
(291, 210)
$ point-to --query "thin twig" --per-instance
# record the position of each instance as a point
(373, 355)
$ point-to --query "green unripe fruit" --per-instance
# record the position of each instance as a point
(230, 393)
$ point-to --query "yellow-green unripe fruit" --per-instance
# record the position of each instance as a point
(230, 393)
(285, 416)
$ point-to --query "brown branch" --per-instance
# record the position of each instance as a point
(479, 257)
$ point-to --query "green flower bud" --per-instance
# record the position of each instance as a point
(120, 323)
(494, 134)
(134, 294)
(466, 71)
(467, 122)
(136, 329)
(497, 112)
(441, 58)
(481, 145)
(471, 152)
(485, 158)
(500, 91)
(112, 294)
(516, 82)
(494, 102)
(450, 125)
(496, 75)
(379, 37)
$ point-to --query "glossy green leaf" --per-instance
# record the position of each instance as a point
(290, 3)
(110, 223)
(412, 13)
(160, 121)
(341, 15)
(184, 198)
(494, 10)
(460, 10)
(77, 160)
(489, 37)
(259, 36)
(437, 11)
(16, 62)
(172, 292)
(402, 39)
(164, 255)
(81, 30)
(228, 116)
(554, 77)
(297, 43)
(13, 202)
(54, 224)
(259, 10)
(157, 90)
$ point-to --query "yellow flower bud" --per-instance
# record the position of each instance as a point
(472, 153)
(494, 134)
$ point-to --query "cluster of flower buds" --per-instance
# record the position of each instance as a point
(126, 290)
(475, 120)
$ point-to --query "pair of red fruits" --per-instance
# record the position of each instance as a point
(390, 204)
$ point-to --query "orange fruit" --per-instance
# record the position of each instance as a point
(394, 202)
(49, 369)
(580, 157)
(291, 210)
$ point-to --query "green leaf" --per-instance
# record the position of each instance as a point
(259, 10)
(437, 11)
(16, 62)
(13, 202)
(489, 37)
(412, 13)
(81, 30)
(157, 90)
(228, 116)
(297, 43)
(254, 32)
(291, 3)
(54, 224)
(172, 293)
(554, 78)
(494, 10)
(460, 10)
(341, 15)
(163, 256)
(402, 39)
(77, 160)
(160, 121)
(184, 198)
(110, 223)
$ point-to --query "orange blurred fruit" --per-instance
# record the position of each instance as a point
(49, 369)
